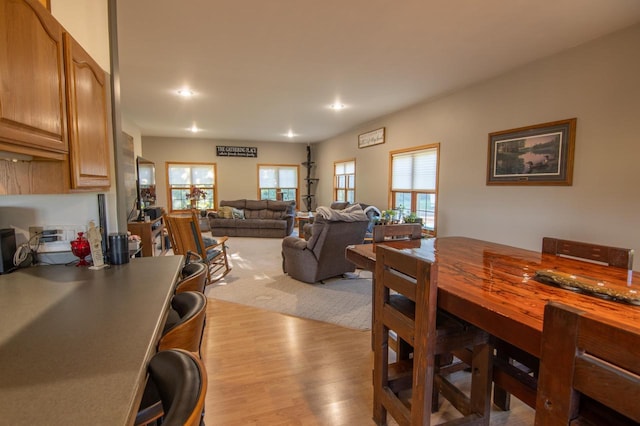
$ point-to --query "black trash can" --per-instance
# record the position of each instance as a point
(118, 249)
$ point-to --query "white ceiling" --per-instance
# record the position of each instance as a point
(263, 67)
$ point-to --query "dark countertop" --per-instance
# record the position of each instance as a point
(75, 342)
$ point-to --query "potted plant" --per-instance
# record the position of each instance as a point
(195, 195)
(412, 218)
(387, 217)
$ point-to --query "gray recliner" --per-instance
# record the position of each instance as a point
(372, 213)
(323, 256)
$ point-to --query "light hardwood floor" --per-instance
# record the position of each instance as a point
(265, 368)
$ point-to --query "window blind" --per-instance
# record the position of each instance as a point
(278, 177)
(183, 174)
(415, 171)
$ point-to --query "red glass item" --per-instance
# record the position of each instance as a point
(80, 248)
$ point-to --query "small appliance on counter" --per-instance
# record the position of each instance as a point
(7, 249)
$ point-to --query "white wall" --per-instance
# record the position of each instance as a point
(596, 82)
(22, 211)
(237, 176)
(88, 22)
(133, 130)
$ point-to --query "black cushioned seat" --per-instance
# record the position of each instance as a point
(185, 322)
(179, 379)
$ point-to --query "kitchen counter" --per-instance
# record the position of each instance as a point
(75, 342)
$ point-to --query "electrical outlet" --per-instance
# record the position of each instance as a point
(35, 230)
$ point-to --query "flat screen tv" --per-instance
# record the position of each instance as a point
(146, 183)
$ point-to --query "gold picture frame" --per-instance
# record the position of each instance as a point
(541, 154)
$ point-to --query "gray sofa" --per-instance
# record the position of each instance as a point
(253, 218)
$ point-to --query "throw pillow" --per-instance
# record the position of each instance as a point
(225, 212)
(237, 213)
(208, 241)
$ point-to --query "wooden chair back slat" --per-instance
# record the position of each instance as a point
(401, 276)
(172, 234)
(583, 355)
(612, 256)
(408, 231)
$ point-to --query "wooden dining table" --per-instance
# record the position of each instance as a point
(75, 342)
(495, 287)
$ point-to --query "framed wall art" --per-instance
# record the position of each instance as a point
(541, 154)
(371, 138)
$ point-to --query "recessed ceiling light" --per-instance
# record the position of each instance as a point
(290, 134)
(194, 129)
(337, 106)
(185, 93)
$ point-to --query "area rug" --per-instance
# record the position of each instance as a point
(256, 279)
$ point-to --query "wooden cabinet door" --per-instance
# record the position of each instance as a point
(87, 111)
(32, 81)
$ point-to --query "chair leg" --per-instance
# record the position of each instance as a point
(220, 263)
(380, 373)
(373, 311)
(482, 375)
(435, 400)
(501, 397)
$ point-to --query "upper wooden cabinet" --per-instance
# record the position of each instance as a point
(53, 105)
(32, 81)
(87, 111)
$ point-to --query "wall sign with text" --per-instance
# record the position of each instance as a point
(236, 151)
(373, 137)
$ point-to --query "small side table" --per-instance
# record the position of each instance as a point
(302, 220)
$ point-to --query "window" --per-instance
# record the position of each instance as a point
(344, 181)
(278, 182)
(185, 179)
(414, 183)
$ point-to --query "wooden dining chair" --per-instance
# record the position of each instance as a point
(178, 379)
(406, 302)
(612, 256)
(520, 368)
(396, 232)
(186, 237)
(589, 369)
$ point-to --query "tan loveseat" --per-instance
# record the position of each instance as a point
(253, 218)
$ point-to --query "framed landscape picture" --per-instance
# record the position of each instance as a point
(535, 155)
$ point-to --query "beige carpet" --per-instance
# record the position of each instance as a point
(257, 280)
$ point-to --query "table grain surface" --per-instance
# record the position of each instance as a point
(75, 342)
(492, 285)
